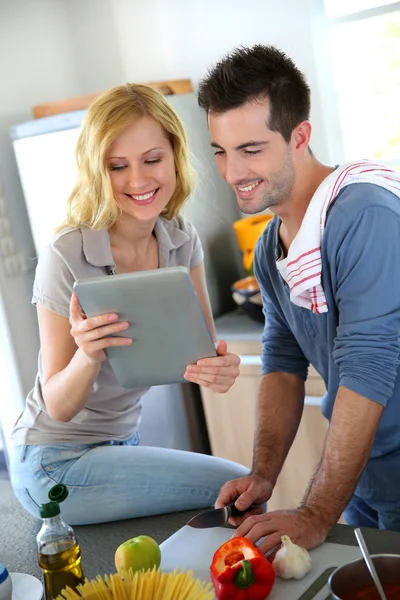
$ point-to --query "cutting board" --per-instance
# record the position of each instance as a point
(193, 549)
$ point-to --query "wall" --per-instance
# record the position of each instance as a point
(37, 62)
(161, 40)
(97, 54)
(54, 49)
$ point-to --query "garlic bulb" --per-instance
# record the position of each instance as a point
(291, 561)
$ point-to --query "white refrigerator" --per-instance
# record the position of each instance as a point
(45, 156)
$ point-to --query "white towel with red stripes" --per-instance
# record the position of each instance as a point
(303, 268)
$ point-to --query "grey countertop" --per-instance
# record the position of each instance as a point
(237, 325)
(18, 531)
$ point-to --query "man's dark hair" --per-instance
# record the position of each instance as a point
(254, 73)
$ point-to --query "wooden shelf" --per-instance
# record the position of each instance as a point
(171, 87)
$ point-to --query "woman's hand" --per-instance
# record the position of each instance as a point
(92, 335)
(218, 373)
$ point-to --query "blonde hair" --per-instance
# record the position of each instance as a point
(92, 202)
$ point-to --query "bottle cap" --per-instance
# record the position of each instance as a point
(58, 492)
(51, 509)
(3, 573)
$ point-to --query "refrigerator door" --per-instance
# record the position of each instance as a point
(45, 155)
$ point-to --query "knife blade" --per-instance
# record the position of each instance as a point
(218, 517)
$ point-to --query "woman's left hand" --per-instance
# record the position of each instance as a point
(218, 373)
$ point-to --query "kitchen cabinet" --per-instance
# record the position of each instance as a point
(230, 417)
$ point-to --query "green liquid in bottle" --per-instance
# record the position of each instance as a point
(61, 569)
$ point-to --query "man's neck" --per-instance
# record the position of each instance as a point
(308, 177)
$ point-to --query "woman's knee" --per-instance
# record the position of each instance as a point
(30, 484)
(25, 498)
(229, 469)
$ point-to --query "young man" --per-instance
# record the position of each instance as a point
(331, 296)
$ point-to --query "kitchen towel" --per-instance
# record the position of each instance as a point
(303, 268)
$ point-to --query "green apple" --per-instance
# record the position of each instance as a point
(141, 552)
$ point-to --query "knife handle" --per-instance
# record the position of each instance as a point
(235, 512)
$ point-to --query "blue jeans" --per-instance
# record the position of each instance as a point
(110, 481)
(373, 513)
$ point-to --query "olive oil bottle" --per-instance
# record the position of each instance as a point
(59, 551)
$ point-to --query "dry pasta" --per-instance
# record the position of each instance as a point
(143, 585)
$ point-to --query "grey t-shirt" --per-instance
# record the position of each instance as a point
(111, 412)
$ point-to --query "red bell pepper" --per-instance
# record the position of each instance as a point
(240, 571)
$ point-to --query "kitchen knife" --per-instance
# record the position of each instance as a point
(218, 517)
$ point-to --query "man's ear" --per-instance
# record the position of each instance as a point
(301, 136)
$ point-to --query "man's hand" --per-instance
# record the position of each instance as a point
(302, 526)
(244, 491)
(351, 433)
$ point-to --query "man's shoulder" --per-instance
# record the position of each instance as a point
(357, 197)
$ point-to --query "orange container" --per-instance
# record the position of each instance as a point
(247, 231)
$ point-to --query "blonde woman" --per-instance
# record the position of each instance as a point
(80, 427)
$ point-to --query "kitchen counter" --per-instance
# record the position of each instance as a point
(18, 531)
(243, 336)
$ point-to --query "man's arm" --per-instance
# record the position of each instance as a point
(284, 371)
(363, 248)
(365, 251)
(350, 437)
(280, 398)
(279, 409)
(353, 426)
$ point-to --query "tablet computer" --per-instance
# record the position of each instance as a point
(166, 323)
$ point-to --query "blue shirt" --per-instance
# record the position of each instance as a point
(355, 344)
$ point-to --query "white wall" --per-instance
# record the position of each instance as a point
(161, 39)
(36, 64)
(54, 49)
(97, 54)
